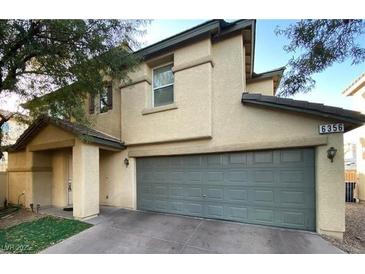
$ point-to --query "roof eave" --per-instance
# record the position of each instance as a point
(351, 122)
(212, 27)
(185, 36)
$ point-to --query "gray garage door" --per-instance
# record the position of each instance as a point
(273, 188)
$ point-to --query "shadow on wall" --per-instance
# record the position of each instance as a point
(3, 187)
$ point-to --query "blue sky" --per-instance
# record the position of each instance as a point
(270, 54)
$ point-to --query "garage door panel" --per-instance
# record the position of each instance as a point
(262, 157)
(214, 211)
(291, 156)
(236, 177)
(192, 162)
(263, 187)
(194, 209)
(290, 198)
(145, 203)
(174, 177)
(194, 192)
(176, 207)
(235, 195)
(194, 177)
(261, 216)
(293, 219)
(214, 193)
(237, 160)
(214, 161)
(263, 197)
(263, 177)
(176, 192)
(237, 213)
(214, 177)
(160, 190)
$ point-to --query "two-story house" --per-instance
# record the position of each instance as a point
(196, 132)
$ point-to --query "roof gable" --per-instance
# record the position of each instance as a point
(80, 131)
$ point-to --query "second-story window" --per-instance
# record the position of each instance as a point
(163, 86)
(106, 99)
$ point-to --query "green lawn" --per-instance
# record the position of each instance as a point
(32, 237)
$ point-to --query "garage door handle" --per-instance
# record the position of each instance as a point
(204, 195)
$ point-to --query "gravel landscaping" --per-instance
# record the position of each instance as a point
(354, 237)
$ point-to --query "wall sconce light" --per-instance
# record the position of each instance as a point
(126, 162)
(331, 153)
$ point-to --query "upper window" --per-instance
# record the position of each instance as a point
(163, 86)
(105, 100)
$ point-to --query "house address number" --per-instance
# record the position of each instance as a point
(331, 128)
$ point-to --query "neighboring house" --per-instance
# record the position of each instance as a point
(196, 132)
(11, 130)
(350, 156)
(357, 91)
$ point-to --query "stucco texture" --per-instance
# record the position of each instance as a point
(265, 87)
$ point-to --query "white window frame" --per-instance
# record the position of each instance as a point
(154, 88)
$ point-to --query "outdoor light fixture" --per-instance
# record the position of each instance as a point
(126, 162)
(331, 153)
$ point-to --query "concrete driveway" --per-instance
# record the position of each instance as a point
(125, 231)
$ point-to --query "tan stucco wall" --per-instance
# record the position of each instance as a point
(32, 171)
(3, 187)
(85, 165)
(20, 182)
(330, 188)
(116, 180)
(108, 122)
(50, 135)
(265, 87)
(192, 94)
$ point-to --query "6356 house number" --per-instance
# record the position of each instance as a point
(331, 128)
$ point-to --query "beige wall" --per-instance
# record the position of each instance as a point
(85, 166)
(265, 87)
(50, 134)
(108, 122)
(3, 187)
(330, 189)
(117, 181)
(191, 118)
(31, 172)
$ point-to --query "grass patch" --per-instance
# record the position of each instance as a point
(32, 237)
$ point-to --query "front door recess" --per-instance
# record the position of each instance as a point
(69, 180)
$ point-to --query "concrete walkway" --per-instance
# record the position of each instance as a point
(125, 231)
